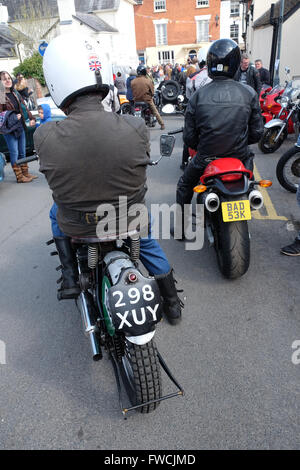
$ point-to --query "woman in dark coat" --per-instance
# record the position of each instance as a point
(12, 101)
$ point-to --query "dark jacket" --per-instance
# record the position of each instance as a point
(221, 120)
(90, 158)
(142, 89)
(129, 94)
(264, 75)
(8, 106)
(10, 124)
(252, 77)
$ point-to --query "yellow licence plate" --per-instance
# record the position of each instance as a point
(236, 210)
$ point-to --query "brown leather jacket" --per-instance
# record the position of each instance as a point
(142, 89)
(8, 106)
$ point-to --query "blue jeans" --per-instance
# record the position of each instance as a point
(16, 147)
(151, 254)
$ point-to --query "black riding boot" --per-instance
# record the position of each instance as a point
(171, 303)
(69, 288)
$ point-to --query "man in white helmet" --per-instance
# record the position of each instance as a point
(92, 158)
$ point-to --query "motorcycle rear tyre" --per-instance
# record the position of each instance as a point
(232, 245)
(141, 375)
(167, 99)
(281, 176)
(265, 144)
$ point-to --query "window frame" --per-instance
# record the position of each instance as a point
(237, 4)
(202, 6)
(236, 27)
(199, 19)
(158, 10)
(161, 25)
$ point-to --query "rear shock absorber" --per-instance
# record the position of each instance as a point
(93, 256)
(135, 247)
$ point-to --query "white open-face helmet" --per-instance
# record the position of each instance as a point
(73, 64)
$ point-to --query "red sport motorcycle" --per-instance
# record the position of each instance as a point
(229, 195)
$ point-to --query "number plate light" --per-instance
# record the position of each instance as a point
(132, 277)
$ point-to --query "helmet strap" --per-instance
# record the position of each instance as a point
(98, 79)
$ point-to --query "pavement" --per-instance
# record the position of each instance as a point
(232, 353)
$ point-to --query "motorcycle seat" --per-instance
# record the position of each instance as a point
(108, 238)
(141, 103)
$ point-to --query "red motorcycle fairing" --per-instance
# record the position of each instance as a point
(224, 167)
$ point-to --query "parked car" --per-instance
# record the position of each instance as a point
(57, 115)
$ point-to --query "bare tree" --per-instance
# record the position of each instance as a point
(34, 21)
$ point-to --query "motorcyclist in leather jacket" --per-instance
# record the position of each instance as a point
(222, 119)
(86, 167)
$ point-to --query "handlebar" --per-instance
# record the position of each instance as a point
(177, 131)
(27, 160)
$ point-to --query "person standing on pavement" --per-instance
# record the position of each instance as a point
(120, 84)
(111, 102)
(143, 90)
(248, 75)
(12, 101)
(264, 74)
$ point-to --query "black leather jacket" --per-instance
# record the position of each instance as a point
(221, 120)
(252, 77)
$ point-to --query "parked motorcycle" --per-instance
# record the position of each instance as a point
(229, 194)
(120, 308)
(268, 100)
(288, 168)
(286, 122)
(169, 98)
(125, 105)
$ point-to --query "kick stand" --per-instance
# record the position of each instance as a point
(164, 366)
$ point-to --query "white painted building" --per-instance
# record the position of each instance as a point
(110, 22)
(260, 35)
(232, 21)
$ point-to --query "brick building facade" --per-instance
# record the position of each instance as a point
(172, 30)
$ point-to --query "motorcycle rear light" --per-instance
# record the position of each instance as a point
(132, 277)
(137, 109)
(231, 177)
(265, 183)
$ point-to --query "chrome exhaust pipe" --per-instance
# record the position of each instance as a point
(212, 202)
(256, 199)
(86, 308)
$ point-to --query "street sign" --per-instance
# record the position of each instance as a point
(42, 47)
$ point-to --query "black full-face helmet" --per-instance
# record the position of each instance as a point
(223, 58)
(141, 70)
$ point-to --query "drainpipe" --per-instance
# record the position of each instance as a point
(276, 78)
(274, 23)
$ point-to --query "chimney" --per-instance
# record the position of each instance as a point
(3, 14)
(66, 9)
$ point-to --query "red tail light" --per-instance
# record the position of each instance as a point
(137, 109)
(231, 177)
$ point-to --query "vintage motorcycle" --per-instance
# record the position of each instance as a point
(288, 168)
(120, 308)
(286, 122)
(228, 191)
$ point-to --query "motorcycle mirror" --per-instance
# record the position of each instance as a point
(168, 109)
(167, 143)
(180, 98)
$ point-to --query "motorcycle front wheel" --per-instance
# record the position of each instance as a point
(232, 245)
(288, 169)
(267, 142)
(141, 375)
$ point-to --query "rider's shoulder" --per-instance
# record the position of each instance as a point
(43, 131)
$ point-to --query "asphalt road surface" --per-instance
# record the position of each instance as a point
(232, 352)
